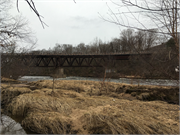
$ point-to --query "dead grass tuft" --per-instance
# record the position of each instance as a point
(35, 102)
(132, 120)
(48, 123)
(8, 80)
(9, 93)
(59, 84)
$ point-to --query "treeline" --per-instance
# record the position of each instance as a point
(129, 41)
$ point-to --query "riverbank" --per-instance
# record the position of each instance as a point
(119, 75)
(11, 81)
(89, 107)
(113, 75)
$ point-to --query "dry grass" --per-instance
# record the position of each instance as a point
(132, 118)
(92, 88)
(8, 93)
(37, 102)
(88, 85)
(8, 80)
(76, 107)
(47, 123)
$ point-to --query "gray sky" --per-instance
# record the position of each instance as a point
(69, 22)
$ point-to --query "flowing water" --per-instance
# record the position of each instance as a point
(160, 82)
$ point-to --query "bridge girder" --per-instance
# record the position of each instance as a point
(69, 60)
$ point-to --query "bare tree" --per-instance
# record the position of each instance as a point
(15, 37)
(163, 16)
(14, 30)
(33, 7)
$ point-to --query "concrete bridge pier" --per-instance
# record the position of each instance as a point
(58, 73)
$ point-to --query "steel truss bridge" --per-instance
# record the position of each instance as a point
(70, 60)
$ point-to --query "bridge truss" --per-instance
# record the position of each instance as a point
(97, 60)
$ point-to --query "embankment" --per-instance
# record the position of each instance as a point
(87, 107)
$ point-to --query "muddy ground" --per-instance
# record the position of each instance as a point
(88, 107)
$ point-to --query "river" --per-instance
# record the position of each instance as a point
(160, 82)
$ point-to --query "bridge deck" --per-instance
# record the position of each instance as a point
(71, 60)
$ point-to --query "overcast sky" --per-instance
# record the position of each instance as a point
(69, 22)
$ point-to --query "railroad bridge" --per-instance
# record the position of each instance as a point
(70, 60)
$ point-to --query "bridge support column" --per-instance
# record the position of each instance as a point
(59, 73)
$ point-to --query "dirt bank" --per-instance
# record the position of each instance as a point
(87, 107)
